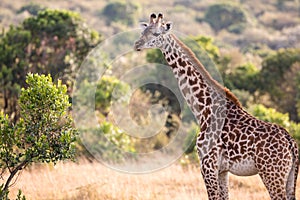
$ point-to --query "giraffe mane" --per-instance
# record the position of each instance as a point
(204, 72)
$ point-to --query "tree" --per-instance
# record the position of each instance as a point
(107, 89)
(31, 8)
(54, 41)
(121, 11)
(44, 132)
(244, 77)
(226, 16)
(13, 69)
(278, 78)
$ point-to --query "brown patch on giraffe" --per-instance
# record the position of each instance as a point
(193, 82)
(189, 71)
(181, 71)
(181, 62)
(208, 101)
(195, 89)
(173, 65)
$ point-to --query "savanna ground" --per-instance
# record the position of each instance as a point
(86, 180)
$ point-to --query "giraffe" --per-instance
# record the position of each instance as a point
(230, 139)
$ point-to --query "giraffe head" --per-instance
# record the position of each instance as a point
(153, 33)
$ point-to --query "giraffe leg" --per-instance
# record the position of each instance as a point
(210, 176)
(223, 185)
(276, 185)
(212, 186)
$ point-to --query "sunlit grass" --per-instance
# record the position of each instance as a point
(94, 181)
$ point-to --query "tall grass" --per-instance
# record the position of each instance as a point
(86, 180)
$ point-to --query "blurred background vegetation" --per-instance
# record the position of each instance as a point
(254, 44)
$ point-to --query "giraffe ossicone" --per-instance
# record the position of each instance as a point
(230, 140)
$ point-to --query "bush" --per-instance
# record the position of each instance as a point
(226, 16)
(107, 142)
(32, 8)
(282, 67)
(44, 132)
(108, 89)
(244, 77)
(274, 68)
(121, 11)
(54, 41)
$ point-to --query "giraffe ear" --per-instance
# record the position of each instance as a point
(168, 26)
(143, 25)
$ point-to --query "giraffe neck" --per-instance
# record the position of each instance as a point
(206, 98)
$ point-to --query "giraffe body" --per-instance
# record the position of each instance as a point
(231, 140)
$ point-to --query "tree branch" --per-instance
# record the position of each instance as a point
(12, 174)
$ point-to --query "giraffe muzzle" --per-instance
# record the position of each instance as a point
(138, 44)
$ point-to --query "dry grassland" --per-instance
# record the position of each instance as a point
(94, 181)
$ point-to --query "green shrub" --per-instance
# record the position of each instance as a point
(107, 142)
(244, 77)
(54, 42)
(44, 133)
(32, 8)
(279, 78)
(124, 12)
(226, 16)
(109, 89)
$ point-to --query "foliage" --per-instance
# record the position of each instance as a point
(54, 41)
(107, 137)
(278, 21)
(4, 194)
(226, 16)
(244, 77)
(275, 66)
(155, 56)
(44, 132)
(121, 11)
(108, 89)
(62, 38)
(32, 8)
(108, 142)
(281, 67)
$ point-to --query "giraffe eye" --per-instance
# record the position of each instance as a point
(156, 34)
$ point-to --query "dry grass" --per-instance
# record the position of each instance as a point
(95, 181)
